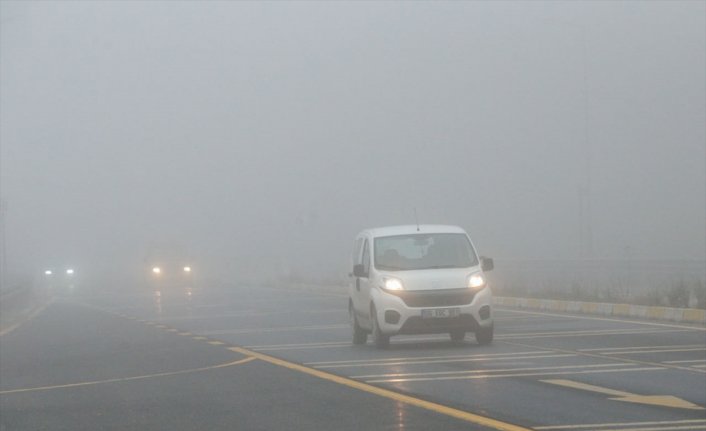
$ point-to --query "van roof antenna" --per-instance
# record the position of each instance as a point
(415, 218)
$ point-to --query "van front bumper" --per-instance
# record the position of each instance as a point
(401, 312)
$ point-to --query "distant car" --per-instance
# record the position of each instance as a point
(62, 280)
(418, 279)
(169, 267)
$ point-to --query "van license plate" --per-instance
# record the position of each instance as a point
(440, 312)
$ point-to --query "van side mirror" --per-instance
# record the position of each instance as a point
(359, 270)
(486, 264)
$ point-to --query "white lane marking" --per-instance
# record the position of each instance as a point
(598, 355)
(404, 358)
(442, 361)
(605, 319)
(334, 344)
(276, 346)
(669, 428)
(127, 379)
(635, 352)
(36, 312)
(246, 314)
(668, 346)
(277, 329)
(691, 361)
(497, 370)
(620, 424)
(521, 335)
(583, 331)
(489, 376)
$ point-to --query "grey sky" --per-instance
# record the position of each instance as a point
(263, 132)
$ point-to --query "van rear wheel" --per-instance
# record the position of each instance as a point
(359, 335)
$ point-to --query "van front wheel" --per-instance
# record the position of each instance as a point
(381, 340)
(359, 335)
(457, 335)
(484, 336)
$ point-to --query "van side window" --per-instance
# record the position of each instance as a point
(366, 257)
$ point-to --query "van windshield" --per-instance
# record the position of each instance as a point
(424, 251)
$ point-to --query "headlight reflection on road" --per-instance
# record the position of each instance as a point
(158, 302)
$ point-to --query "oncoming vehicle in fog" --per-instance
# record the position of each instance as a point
(169, 267)
(418, 280)
(61, 280)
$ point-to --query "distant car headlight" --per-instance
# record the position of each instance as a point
(156, 270)
(187, 269)
(476, 281)
(47, 272)
(69, 271)
(392, 284)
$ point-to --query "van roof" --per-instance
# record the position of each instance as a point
(411, 229)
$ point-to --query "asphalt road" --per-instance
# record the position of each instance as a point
(270, 359)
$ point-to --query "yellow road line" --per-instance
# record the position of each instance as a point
(619, 424)
(216, 343)
(126, 379)
(438, 408)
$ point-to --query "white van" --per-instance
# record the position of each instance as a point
(418, 280)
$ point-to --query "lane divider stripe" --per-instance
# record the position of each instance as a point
(619, 424)
(438, 408)
(490, 376)
(127, 379)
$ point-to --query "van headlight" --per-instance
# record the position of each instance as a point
(476, 281)
(393, 284)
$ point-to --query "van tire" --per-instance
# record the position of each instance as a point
(457, 335)
(359, 334)
(381, 340)
(484, 336)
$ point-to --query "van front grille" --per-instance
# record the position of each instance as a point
(436, 298)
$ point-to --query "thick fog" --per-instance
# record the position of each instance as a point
(261, 137)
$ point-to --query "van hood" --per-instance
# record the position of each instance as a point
(433, 279)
